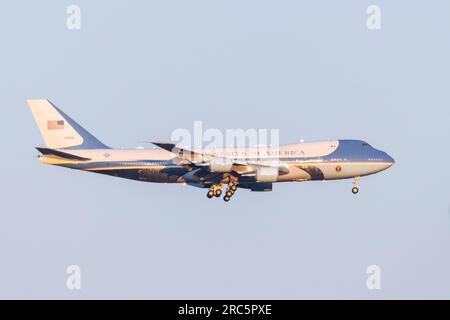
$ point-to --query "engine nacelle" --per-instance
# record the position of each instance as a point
(266, 174)
(220, 166)
(262, 174)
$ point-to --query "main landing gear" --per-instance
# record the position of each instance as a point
(216, 191)
(230, 192)
(355, 188)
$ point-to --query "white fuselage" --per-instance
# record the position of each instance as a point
(322, 160)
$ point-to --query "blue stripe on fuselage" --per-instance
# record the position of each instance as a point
(357, 150)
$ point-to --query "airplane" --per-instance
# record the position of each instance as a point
(71, 146)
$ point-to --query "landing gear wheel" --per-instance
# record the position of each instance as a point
(210, 194)
(218, 193)
(233, 187)
(355, 190)
(226, 198)
(229, 194)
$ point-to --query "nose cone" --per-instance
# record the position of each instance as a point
(388, 159)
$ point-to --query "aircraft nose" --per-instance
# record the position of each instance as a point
(387, 158)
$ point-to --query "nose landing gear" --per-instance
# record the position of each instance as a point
(355, 188)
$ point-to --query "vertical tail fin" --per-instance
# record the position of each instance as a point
(59, 130)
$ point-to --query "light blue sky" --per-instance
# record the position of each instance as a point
(137, 70)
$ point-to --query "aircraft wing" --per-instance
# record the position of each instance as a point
(198, 159)
(182, 153)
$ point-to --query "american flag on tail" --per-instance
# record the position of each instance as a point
(55, 124)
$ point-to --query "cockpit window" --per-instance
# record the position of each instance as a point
(365, 144)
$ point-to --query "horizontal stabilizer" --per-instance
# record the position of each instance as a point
(60, 154)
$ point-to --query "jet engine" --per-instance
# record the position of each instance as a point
(220, 166)
(267, 174)
(262, 174)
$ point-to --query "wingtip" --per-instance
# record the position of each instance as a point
(164, 145)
